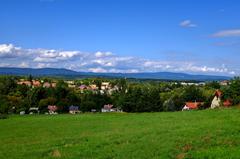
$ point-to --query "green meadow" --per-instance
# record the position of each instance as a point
(193, 134)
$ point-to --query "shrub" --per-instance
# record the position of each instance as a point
(3, 116)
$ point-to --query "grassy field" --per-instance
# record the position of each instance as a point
(196, 134)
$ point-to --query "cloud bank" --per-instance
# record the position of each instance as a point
(12, 56)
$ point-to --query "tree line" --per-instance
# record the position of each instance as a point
(130, 96)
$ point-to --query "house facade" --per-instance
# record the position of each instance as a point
(74, 109)
(216, 102)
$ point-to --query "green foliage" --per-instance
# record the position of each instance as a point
(98, 83)
(213, 84)
(87, 106)
(3, 116)
(140, 99)
(4, 107)
(43, 103)
(169, 105)
(232, 91)
(192, 93)
(7, 85)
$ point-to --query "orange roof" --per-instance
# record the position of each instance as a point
(36, 83)
(227, 103)
(193, 105)
(28, 83)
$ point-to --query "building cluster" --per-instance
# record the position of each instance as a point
(36, 83)
(105, 87)
(191, 83)
(216, 102)
(53, 109)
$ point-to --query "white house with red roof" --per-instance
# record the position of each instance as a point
(216, 102)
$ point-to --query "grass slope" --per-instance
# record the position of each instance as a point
(196, 134)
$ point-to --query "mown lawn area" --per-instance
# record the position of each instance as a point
(193, 134)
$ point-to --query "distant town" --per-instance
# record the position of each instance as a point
(41, 95)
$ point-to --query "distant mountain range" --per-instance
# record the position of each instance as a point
(70, 73)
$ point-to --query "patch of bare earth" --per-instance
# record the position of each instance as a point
(56, 153)
(187, 148)
(180, 156)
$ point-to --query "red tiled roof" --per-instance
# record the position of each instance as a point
(108, 106)
(25, 82)
(36, 83)
(227, 103)
(52, 108)
(193, 105)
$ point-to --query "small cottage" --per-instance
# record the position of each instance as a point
(36, 83)
(227, 103)
(83, 87)
(52, 109)
(216, 102)
(46, 85)
(109, 108)
(191, 105)
(27, 83)
(34, 110)
(74, 109)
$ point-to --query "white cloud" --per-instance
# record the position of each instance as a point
(54, 56)
(103, 54)
(8, 51)
(97, 70)
(227, 33)
(187, 24)
(100, 62)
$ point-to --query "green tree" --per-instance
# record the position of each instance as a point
(169, 105)
(43, 103)
(192, 93)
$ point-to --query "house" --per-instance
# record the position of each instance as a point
(227, 103)
(22, 112)
(33, 83)
(93, 87)
(224, 83)
(105, 85)
(27, 83)
(69, 82)
(46, 85)
(109, 108)
(34, 110)
(83, 87)
(216, 102)
(191, 105)
(54, 84)
(52, 109)
(36, 83)
(74, 109)
(71, 85)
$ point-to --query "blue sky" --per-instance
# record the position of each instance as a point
(199, 37)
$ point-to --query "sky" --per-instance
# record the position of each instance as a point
(197, 37)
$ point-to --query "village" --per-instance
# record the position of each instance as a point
(108, 87)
